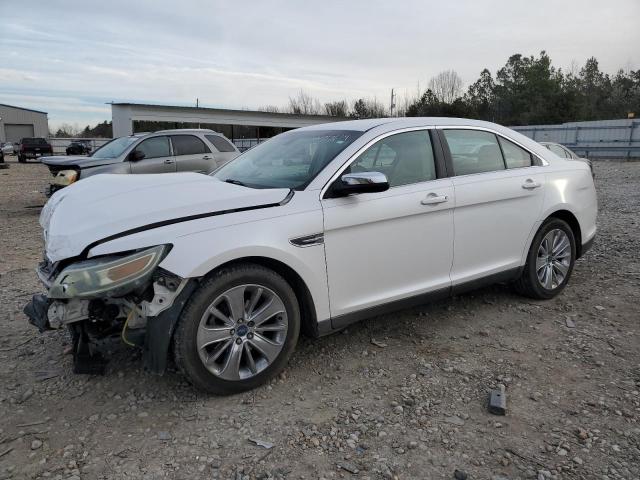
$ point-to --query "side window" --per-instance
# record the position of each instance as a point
(557, 150)
(404, 158)
(515, 156)
(155, 147)
(568, 153)
(474, 151)
(188, 145)
(221, 144)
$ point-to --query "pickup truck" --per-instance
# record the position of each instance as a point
(33, 148)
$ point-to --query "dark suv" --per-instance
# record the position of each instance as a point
(79, 147)
(33, 148)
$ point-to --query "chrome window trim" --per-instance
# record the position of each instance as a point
(543, 162)
(362, 149)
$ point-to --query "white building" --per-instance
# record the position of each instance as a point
(17, 123)
(243, 127)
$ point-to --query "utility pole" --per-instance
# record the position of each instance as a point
(393, 103)
(197, 102)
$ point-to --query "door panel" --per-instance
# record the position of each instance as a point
(157, 159)
(494, 216)
(192, 154)
(387, 246)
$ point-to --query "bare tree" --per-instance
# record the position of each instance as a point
(446, 86)
(304, 104)
(336, 109)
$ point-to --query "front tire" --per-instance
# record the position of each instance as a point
(238, 330)
(550, 261)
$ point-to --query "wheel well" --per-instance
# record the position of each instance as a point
(570, 218)
(308, 318)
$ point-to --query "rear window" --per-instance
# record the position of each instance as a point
(34, 141)
(188, 145)
(221, 144)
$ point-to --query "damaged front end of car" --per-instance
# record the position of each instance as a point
(125, 294)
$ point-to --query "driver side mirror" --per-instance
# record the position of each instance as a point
(361, 182)
(136, 155)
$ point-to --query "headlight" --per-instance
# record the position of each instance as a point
(116, 275)
(65, 177)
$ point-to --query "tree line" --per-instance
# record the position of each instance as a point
(525, 91)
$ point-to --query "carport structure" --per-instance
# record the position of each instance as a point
(244, 127)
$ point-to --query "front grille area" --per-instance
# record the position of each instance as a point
(54, 169)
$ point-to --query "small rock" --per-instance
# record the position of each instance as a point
(398, 409)
(599, 307)
(562, 452)
(143, 415)
(577, 460)
(569, 323)
(460, 475)
(349, 467)
(36, 444)
(455, 420)
(164, 435)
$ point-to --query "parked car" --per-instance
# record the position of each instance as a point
(309, 231)
(564, 152)
(79, 147)
(167, 151)
(33, 148)
(10, 148)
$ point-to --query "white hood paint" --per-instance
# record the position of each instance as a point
(105, 205)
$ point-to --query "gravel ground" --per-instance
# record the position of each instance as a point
(399, 396)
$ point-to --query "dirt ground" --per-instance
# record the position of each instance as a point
(399, 396)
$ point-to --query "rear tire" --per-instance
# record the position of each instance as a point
(550, 261)
(22, 159)
(222, 351)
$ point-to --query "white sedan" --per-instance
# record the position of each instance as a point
(310, 231)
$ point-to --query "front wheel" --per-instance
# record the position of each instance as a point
(238, 330)
(550, 261)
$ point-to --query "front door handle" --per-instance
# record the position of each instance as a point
(168, 160)
(207, 157)
(530, 184)
(434, 199)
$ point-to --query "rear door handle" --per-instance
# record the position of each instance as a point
(168, 160)
(529, 184)
(207, 157)
(434, 199)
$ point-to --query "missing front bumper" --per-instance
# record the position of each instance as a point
(37, 312)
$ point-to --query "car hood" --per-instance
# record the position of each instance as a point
(105, 205)
(78, 160)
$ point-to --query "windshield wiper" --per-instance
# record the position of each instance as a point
(235, 182)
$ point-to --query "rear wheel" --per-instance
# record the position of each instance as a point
(550, 261)
(238, 330)
(22, 158)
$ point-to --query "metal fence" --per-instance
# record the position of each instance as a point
(60, 145)
(604, 139)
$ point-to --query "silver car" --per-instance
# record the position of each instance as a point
(166, 151)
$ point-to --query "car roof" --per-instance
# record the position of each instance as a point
(399, 122)
(189, 130)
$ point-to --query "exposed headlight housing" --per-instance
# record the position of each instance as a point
(65, 177)
(107, 276)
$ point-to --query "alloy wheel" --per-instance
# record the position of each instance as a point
(242, 332)
(553, 259)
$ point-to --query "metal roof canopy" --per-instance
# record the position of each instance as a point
(124, 114)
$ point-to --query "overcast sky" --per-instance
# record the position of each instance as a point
(71, 57)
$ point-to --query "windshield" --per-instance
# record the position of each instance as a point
(115, 147)
(290, 160)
